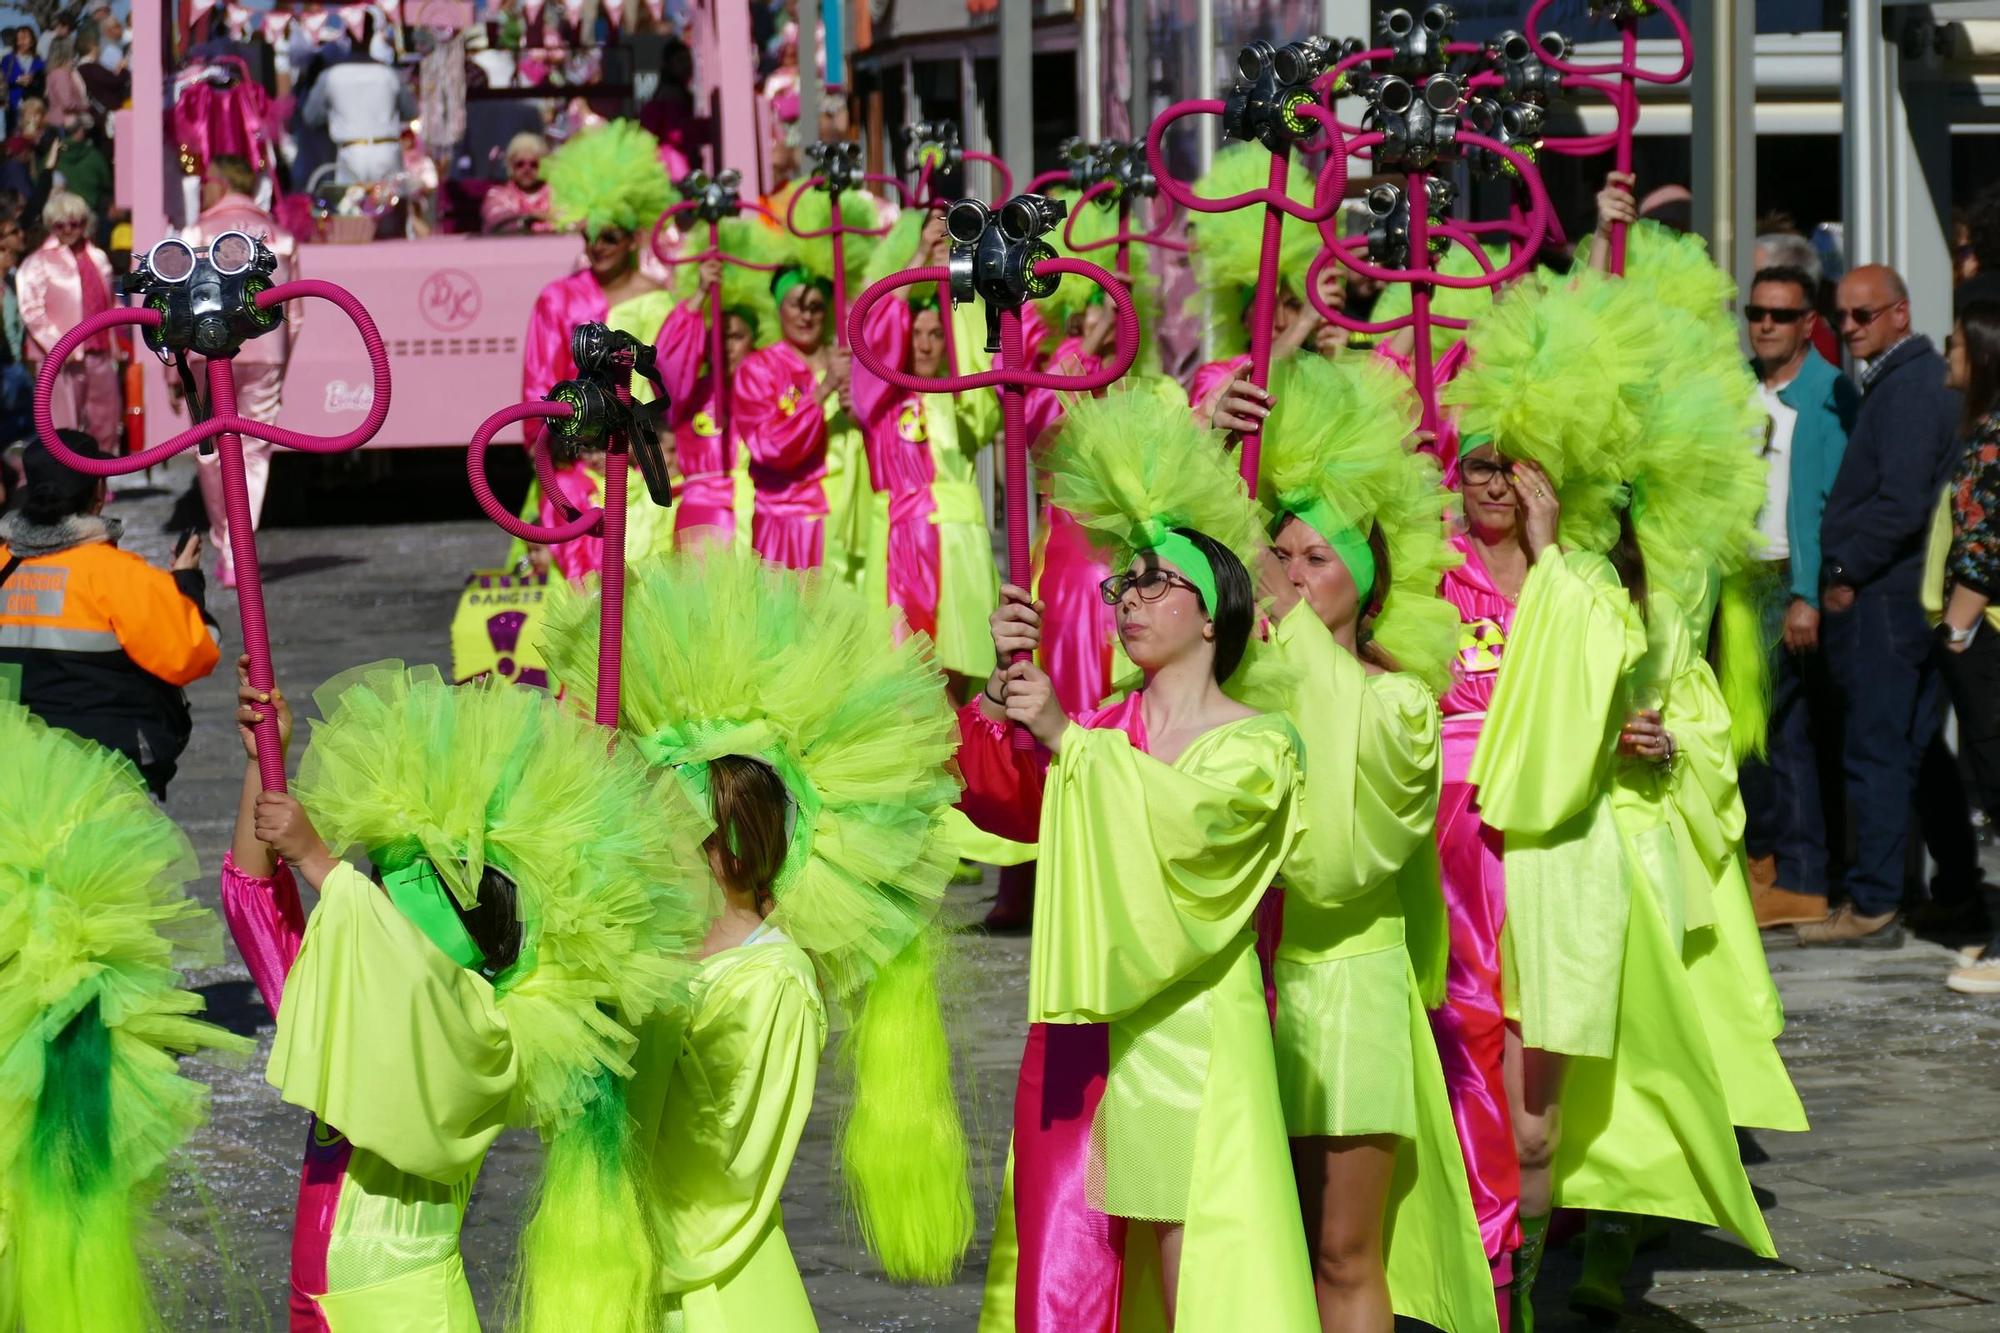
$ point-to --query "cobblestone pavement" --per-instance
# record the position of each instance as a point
(1884, 1215)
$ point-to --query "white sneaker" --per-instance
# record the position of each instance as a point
(1980, 976)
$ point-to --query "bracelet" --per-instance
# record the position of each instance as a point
(987, 691)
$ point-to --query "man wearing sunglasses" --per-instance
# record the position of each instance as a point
(1810, 406)
(1903, 445)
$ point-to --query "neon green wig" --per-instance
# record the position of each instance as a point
(1559, 375)
(97, 933)
(728, 656)
(609, 176)
(1467, 303)
(1133, 464)
(858, 210)
(1337, 455)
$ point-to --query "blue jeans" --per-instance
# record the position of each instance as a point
(1881, 652)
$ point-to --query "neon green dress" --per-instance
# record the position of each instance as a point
(1727, 972)
(1150, 875)
(1355, 1053)
(721, 1110)
(371, 993)
(1596, 910)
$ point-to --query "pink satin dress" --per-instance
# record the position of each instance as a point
(1071, 1257)
(784, 427)
(705, 464)
(1079, 632)
(1471, 1026)
(545, 359)
(267, 923)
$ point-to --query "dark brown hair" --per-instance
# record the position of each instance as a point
(1979, 326)
(749, 842)
(1629, 561)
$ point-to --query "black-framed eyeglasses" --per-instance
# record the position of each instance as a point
(1480, 471)
(1777, 314)
(1150, 584)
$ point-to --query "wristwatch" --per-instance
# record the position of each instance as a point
(1955, 636)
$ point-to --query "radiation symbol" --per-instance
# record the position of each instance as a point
(1480, 644)
(788, 401)
(704, 425)
(910, 424)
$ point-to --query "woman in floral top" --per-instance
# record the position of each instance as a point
(1971, 626)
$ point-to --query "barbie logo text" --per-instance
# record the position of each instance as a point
(344, 397)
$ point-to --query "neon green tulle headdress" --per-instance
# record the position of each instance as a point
(1560, 375)
(1133, 465)
(728, 656)
(96, 935)
(1337, 456)
(745, 291)
(614, 887)
(1227, 246)
(1673, 270)
(609, 177)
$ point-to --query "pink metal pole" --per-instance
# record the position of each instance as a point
(611, 579)
(1278, 204)
(227, 427)
(1422, 372)
(718, 345)
(1012, 377)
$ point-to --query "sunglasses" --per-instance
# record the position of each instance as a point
(610, 236)
(1150, 584)
(1777, 314)
(1861, 316)
(520, 162)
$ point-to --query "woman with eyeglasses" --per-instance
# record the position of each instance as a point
(521, 202)
(1149, 1137)
(1574, 1043)
(794, 403)
(607, 181)
(1962, 579)
(1356, 554)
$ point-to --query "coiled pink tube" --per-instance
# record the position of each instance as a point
(836, 230)
(717, 358)
(227, 428)
(1154, 236)
(1629, 75)
(1006, 177)
(1012, 378)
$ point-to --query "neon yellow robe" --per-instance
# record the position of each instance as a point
(721, 1094)
(1724, 955)
(1596, 909)
(1354, 1048)
(1150, 874)
(383, 1036)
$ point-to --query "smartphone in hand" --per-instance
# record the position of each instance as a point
(187, 549)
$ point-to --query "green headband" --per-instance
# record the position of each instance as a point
(1467, 443)
(425, 903)
(792, 277)
(1167, 544)
(1347, 541)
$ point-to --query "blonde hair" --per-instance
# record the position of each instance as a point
(63, 206)
(528, 140)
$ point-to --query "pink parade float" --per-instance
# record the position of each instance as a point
(1272, 103)
(594, 410)
(998, 256)
(208, 303)
(712, 200)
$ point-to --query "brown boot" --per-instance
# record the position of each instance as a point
(1764, 874)
(1782, 907)
(1844, 928)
